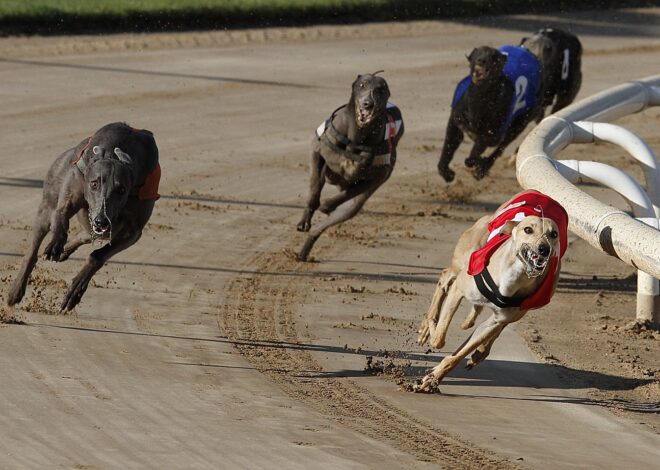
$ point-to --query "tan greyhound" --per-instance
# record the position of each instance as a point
(510, 263)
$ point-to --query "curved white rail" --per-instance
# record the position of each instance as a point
(588, 132)
(604, 227)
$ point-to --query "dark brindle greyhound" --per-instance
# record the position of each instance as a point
(110, 180)
(560, 52)
(355, 149)
(492, 105)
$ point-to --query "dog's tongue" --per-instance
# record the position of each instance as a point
(363, 115)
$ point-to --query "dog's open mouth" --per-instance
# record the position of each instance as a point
(100, 234)
(479, 74)
(364, 116)
(534, 262)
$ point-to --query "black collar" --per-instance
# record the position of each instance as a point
(489, 289)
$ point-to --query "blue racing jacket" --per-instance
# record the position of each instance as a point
(523, 69)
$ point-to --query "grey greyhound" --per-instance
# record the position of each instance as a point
(355, 150)
(110, 180)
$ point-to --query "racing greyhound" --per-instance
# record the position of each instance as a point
(492, 105)
(509, 262)
(560, 53)
(110, 181)
(355, 149)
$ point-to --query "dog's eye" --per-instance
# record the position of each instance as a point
(120, 190)
(553, 234)
(529, 230)
(363, 84)
(94, 185)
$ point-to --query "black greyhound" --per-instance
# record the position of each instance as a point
(560, 53)
(492, 105)
(110, 180)
(355, 149)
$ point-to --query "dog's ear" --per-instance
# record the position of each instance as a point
(522, 41)
(500, 62)
(386, 87)
(357, 79)
(470, 56)
(123, 156)
(508, 227)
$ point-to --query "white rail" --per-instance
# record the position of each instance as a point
(606, 228)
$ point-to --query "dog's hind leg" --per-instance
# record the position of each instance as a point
(474, 158)
(427, 327)
(333, 202)
(449, 307)
(483, 165)
(40, 229)
(567, 94)
(481, 353)
(316, 182)
(344, 212)
(472, 316)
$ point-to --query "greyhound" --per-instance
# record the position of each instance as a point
(110, 180)
(355, 149)
(492, 105)
(560, 53)
(510, 263)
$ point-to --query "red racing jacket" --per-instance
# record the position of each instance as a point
(520, 206)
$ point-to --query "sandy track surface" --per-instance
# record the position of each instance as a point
(206, 345)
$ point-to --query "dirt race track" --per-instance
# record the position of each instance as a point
(207, 346)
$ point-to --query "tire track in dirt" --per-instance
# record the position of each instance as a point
(259, 317)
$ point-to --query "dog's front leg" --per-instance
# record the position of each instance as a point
(483, 165)
(453, 138)
(40, 229)
(484, 333)
(449, 307)
(316, 182)
(69, 202)
(427, 327)
(95, 261)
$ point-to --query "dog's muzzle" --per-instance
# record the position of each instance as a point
(364, 113)
(535, 263)
(101, 226)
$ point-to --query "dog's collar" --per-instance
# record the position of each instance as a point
(79, 162)
(488, 289)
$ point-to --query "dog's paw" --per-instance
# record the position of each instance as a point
(16, 293)
(447, 173)
(471, 162)
(437, 340)
(424, 332)
(304, 225)
(429, 384)
(54, 249)
(467, 324)
(75, 292)
(482, 168)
